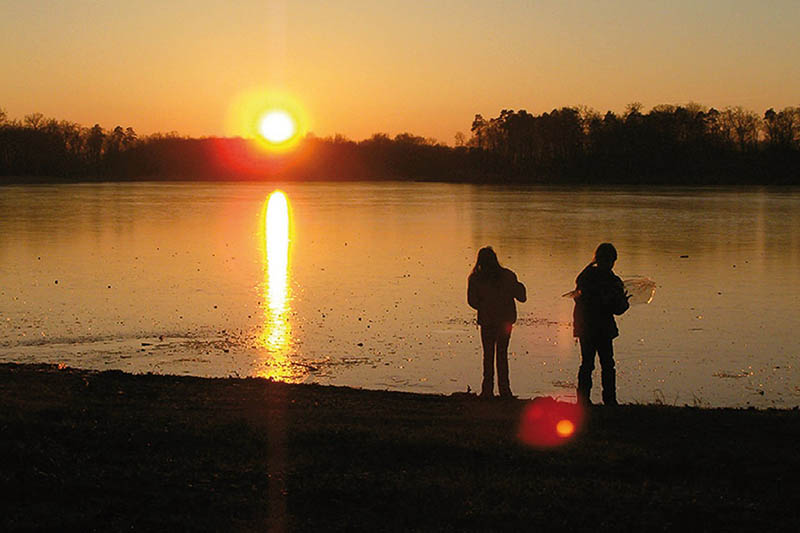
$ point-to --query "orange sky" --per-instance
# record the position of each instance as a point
(361, 67)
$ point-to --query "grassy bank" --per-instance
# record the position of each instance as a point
(112, 451)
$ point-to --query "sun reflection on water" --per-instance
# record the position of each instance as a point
(276, 333)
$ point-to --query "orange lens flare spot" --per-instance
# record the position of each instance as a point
(565, 428)
(546, 423)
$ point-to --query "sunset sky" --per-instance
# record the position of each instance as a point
(358, 67)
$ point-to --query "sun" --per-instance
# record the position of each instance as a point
(277, 126)
(276, 121)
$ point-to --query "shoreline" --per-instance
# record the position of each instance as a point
(108, 450)
(20, 181)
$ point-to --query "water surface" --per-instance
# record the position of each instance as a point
(367, 286)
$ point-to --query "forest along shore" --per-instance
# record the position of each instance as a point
(82, 450)
(668, 145)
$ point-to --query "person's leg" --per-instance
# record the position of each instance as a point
(585, 371)
(488, 340)
(605, 351)
(503, 337)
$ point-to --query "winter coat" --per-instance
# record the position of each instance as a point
(599, 296)
(493, 296)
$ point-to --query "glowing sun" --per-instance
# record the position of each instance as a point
(277, 126)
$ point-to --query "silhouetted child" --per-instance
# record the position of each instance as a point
(491, 290)
(599, 295)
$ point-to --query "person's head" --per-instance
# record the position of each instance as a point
(605, 256)
(487, 261)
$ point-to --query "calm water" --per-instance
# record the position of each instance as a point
(369, 289)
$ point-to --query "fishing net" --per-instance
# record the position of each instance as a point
(641, 290)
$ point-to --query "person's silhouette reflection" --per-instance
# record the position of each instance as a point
(492, 290)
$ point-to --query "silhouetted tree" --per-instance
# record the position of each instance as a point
(34, 120)
(94, 145)
(674, 144)
(129, 139)
(739, 127)
(782, 129)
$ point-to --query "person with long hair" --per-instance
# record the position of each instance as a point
(491, 290)
(599, 295)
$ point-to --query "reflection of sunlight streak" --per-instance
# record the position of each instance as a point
(277, 235)
(276, 333)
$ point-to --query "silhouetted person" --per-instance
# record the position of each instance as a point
(491, 290)
(599, 295)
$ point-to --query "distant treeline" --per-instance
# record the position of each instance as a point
(667, 145)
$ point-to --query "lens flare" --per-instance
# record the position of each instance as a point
(565, 428)
(546, 423)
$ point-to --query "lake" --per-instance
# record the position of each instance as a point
(366, 285)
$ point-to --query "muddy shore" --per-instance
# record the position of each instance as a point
(103, 451)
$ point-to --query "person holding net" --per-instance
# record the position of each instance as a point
(599, 295)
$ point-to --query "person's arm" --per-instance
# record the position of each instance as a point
(621, 303)
(517, 288)
(519, 291)
(472, 294)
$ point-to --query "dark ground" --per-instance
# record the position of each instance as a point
(110, 451)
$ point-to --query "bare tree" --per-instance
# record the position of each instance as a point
(739, 126)
(633, 110)
(34, 120)
(782, 129)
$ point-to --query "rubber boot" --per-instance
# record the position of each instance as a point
(609, 378)
(584, 386)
